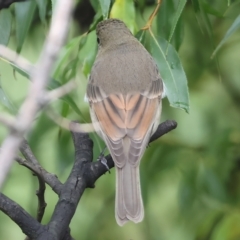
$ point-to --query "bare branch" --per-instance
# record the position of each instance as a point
(60, 92)
(28, 224)
(32, 163)
(65, 123)
(40, 77)
(7, 120)
(40, 192)
(74, 186)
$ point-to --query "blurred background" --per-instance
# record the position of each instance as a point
(190, 177)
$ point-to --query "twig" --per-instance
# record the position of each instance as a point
(152, 16)
(60, 92)
(33, 164)
(64, 123)
(163, 128)
(40, 77)
(40, 192)
(6, 54)
(7, 120)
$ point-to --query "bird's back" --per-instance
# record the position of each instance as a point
(121, 68)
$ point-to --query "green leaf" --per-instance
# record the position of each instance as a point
(196, 6)
(97, 18)
(125, 11)
(172, 73)
(24, 12)
(5, 26)
(169, 23)
(211, 10)
(95, 5)
(105, 5)
(234, 27)
(165, 18)
(64, 109)
(17, 68)
(178, 13)
(42, 7)
(53, 4)
(4, 100)
(73, 47)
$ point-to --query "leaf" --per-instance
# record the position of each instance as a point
(230, 31)
(172, 73)
(105, 5)
(95, 5)
(5, 26)
(166, 23)
(72, 47)
(178, 13)
(97, 18)
(53, 4)
(196, 6)
(89, 60)
(24, 12)
(165, 18)
(42, 7)
(209, 9)
(4, 100)
(125, 11)
(64, 109)
(17, 68)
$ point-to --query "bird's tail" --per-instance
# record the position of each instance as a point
(128, 204)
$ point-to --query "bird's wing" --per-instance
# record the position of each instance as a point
(125, 121)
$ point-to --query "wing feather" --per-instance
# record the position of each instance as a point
(120, 117)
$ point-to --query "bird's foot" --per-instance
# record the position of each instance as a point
(103, 160)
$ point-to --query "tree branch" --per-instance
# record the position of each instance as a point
(40, 77)
(40, 192)
(74, 187)
(33, 164)
(30, 226)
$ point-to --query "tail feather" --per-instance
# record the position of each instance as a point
(129, 205)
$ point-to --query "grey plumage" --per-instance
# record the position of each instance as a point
(124, 92)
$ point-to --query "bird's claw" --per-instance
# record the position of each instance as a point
(103, 160)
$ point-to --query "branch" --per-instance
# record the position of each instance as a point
(40, 77)
(40, 192)
(74, 187)
(33, 164)
(30, 226)
(6, 54)
(7, 120)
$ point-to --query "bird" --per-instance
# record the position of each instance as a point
(124, 92)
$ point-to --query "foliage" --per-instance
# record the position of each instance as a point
(190, 178)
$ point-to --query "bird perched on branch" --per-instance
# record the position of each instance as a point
(124, 92)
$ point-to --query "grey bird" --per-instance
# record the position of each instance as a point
(124, 92)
